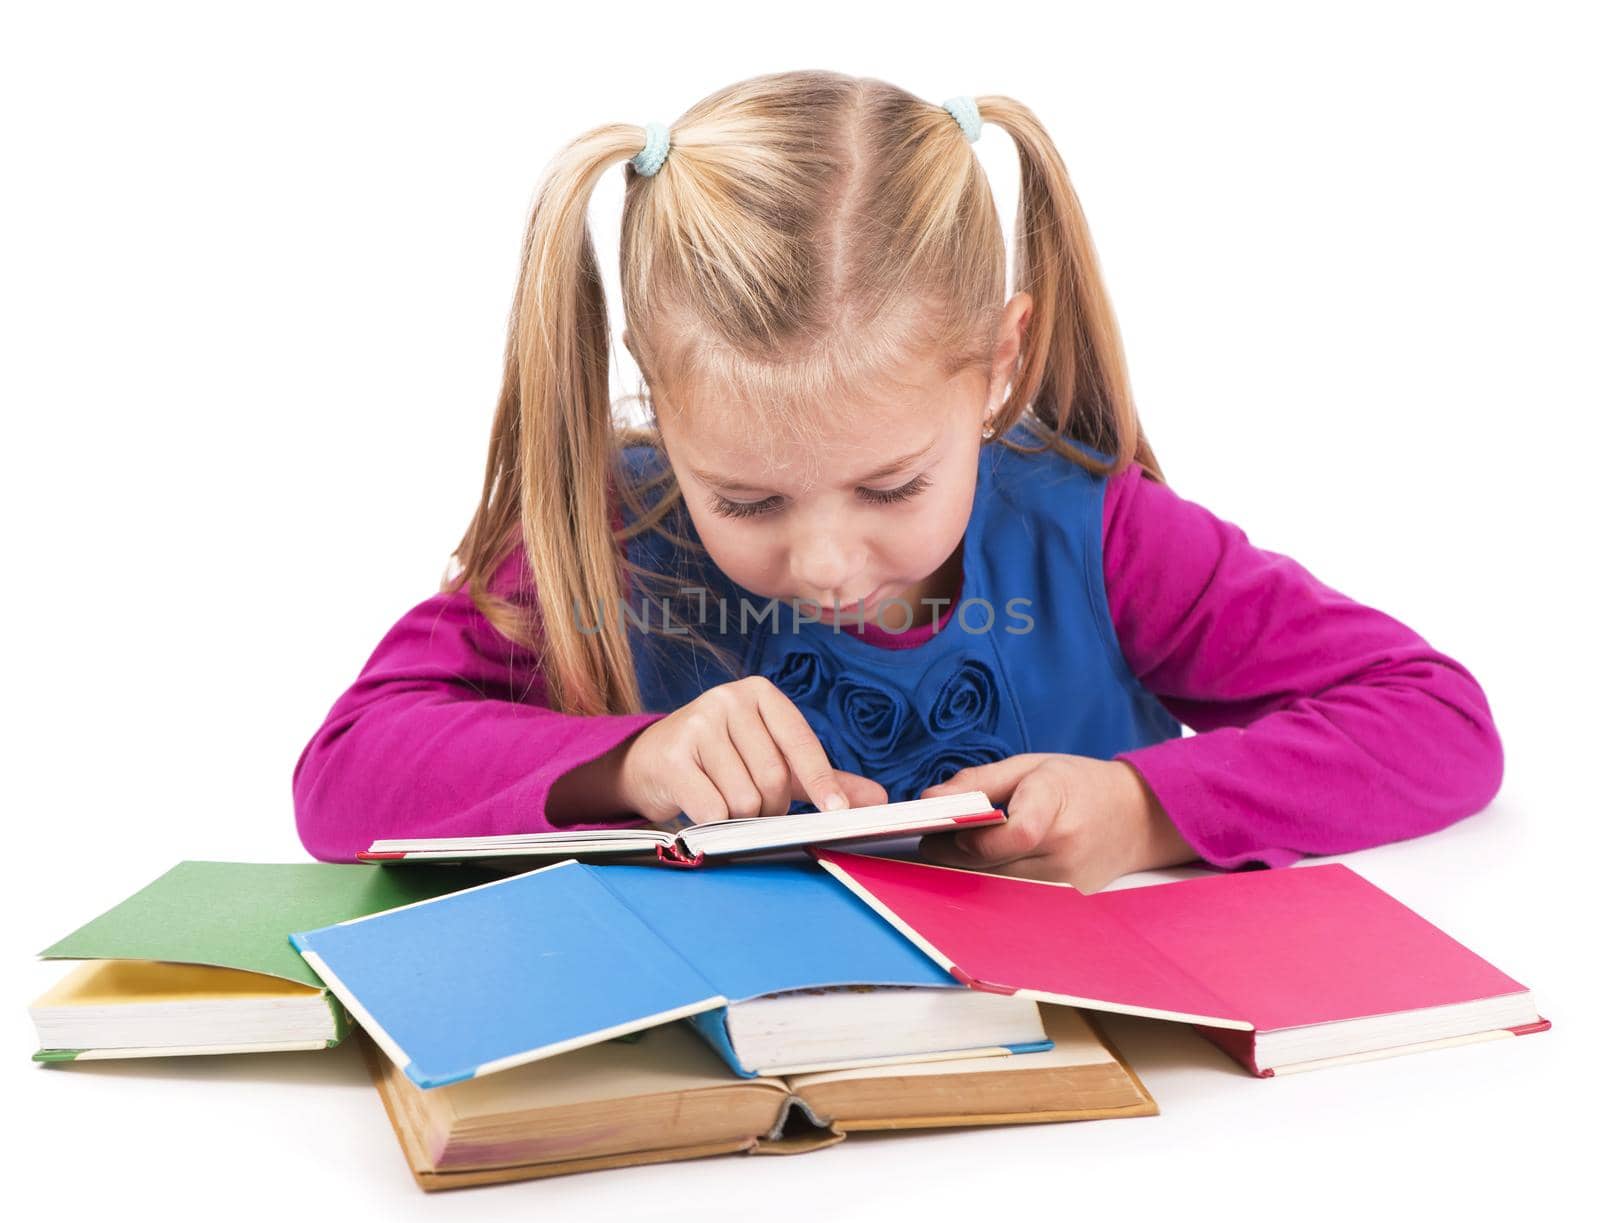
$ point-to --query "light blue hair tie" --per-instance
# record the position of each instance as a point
(965, 111)
(656, 143)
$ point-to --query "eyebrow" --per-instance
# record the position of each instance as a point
(744, 486)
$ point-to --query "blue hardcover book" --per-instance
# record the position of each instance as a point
(570, 955)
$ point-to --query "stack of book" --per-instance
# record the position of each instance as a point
(602, 1010)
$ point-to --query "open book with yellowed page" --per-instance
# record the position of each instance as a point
(666, 1096)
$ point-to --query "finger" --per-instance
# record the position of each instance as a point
(726, 768)
(997, 780)
(948, 849)
(764, 763)
(808, 762)
(697, 797)
(1044, 868)
(861, 791)
(1036, 804)
(941, 849)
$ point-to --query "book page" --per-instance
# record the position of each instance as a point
(805, 827)
(1080, 1078)
(117, 982)
(663, 1060)
(1075, 1045)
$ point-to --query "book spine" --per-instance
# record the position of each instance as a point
(341, 1018)
(1030, 1046)
(798, 1128)
(972, 982)
(1239, 1045)
(713, 1028)
(676, 855)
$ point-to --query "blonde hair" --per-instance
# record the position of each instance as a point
(807, 230)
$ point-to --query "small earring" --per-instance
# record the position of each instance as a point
(988, 429)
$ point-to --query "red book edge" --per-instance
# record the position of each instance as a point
(985, 817)
(1241, 1046)
(971, 982)
(368, 856)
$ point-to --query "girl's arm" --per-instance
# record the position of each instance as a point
(1323, 726)
(447, 732)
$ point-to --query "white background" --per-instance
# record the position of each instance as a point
(256, 268)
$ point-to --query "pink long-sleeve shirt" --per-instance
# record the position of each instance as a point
(1322, 725)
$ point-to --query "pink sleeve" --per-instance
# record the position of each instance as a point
(446, 732)
(1323, 726)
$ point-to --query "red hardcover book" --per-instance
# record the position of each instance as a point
(1283, 969)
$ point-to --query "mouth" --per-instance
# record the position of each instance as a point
(856, 607)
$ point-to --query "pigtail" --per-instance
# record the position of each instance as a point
(1072, 370)
(549, 479)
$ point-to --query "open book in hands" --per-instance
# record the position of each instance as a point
(692, 845)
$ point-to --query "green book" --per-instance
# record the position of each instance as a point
(199, 961)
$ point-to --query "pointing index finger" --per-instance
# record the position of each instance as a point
(802, 749)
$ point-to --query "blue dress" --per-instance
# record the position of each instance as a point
(1029, 662)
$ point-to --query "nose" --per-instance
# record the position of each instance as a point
(823, 562)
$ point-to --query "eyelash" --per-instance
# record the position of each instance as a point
(753, 509)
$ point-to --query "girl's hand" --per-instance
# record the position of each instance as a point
(1070, 819)
(740, 749)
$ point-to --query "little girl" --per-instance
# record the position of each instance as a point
(887, 535)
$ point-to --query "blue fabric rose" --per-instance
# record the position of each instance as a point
(958, 697)
(948, 759)
(873, 717)
(868, 726)
(840, 753)
(931, 764)
(801, 675)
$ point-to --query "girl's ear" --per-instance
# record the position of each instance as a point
(1008, 346)
(1013, 326)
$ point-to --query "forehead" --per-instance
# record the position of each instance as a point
(721, 432)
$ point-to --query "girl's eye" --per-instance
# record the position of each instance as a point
(752, 509)
(887, 496)
(742, 509)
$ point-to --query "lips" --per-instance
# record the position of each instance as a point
(850, 608)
